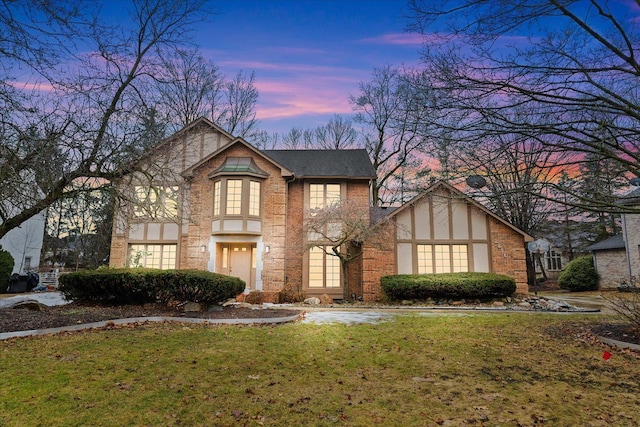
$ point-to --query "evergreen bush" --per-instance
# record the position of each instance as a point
(139, 286)
(455, 286)
(579, 275)
(6, 268)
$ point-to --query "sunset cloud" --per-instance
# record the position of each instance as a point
(396, 39)
(40, 86)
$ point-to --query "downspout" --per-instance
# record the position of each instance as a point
(625, 238)
(286, 228)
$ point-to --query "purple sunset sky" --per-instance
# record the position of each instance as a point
(308, 55)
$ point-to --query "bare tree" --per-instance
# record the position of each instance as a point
(190, 87)
(342, 230)
(579, 78)
(337, 134)
(238, 116)
(395, 118)
(81, 127)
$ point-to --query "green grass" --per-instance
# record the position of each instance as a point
(504, 369)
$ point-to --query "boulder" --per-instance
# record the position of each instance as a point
(32, 305)
(192, 307)
(325, 299)
(312, 301)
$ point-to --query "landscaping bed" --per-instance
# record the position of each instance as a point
(23, 319)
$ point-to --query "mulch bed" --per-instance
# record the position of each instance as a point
(23, 319)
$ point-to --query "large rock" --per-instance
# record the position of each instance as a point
(32, 305)
(312, 301)
(326, 299)
(192, 307)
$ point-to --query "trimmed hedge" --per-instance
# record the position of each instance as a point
(448, 286)
(579, 275)
(6, 268)
(140, 286)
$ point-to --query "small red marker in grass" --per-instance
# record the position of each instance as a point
(606, 355)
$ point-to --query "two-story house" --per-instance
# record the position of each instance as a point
(213, 202)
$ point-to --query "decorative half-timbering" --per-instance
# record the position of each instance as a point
(214, 202)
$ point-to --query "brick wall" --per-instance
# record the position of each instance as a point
(377, 262)
(508, 254)
(273, 218)
(294, 249)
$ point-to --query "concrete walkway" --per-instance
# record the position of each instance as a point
(313, 315)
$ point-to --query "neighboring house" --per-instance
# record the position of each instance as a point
(617, 259)
(217, 203)
(610, 260)
(24, 243)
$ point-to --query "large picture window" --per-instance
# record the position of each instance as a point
(324, 269)
(442, 259)
(153, 256)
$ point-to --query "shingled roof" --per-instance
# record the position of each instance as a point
(615, 242)
(325, 163)
(631, 198)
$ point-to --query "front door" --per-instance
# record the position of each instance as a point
(237, 260)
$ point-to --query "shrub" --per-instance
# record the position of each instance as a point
(196, 286)
(579, 275)
(6, 268)
(139, 286)
(448, 286)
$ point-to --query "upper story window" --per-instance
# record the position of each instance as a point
(234, 197)
(237, 190)
(323, 195)
(254, 198)
(156, 201)
(237, 197)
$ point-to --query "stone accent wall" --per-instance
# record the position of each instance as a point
(508, 255)
(612, 268)
(274, 193)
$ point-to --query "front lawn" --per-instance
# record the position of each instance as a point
(445, 369)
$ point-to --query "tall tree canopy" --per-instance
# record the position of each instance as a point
(571, 64)
(66, 132)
